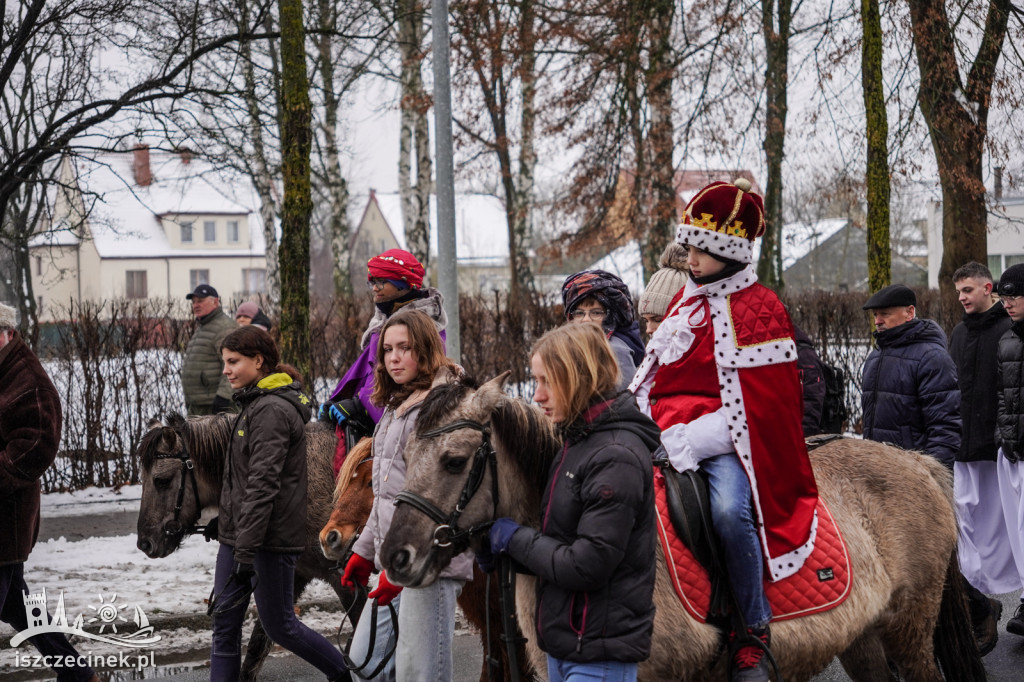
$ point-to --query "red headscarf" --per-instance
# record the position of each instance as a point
(398, 265)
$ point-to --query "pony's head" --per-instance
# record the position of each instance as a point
(353, 499)
(171, 481)
(463, 437)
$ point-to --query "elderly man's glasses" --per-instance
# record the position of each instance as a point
(594, 314)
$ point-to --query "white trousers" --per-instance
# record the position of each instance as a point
(991, 556)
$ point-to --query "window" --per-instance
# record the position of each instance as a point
(1015, 259)
(995, 264)
(232, 231)
(254, 280)
(135, 284)
(197, 277)
(186, 233)
(209, 231)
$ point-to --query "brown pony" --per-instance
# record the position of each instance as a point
(894, 509)
(183, 466)
(353, 498)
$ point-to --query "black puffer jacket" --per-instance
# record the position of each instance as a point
(973, 346)
(594, 553)
(1011, 392)
(263, 500)
(909, 392)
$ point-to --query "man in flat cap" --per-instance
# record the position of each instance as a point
(909, 391)
(207, 390)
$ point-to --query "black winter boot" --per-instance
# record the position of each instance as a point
(1015, 626)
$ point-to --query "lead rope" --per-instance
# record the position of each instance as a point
(359, 669)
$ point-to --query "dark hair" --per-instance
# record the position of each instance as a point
(973, 270)
(251, 341)
(425, 342)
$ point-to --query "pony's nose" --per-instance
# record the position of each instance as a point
(400, 560)
(145, 545)
(334, 539)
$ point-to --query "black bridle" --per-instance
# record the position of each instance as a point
(448, 531)
(187, 472)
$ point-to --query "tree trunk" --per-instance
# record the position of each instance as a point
(878, 189)
(298, 203)
(522, 210)
(414, 132)
(957, 119)
(261, 175)
(776, 30)
(661, 138)
(337, 188)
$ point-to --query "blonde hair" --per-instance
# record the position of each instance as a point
(580, 366)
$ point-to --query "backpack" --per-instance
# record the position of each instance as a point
(833, 411)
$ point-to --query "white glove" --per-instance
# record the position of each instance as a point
(689, 444)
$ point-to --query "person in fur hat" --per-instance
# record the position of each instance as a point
(720, 379)
(395, 279)
(30, 425)
(663, 286)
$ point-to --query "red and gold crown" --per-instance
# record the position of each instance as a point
(724, 219)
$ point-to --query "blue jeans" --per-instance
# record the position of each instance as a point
(275, 602)
(382, 641)
(595, 671)
(732, 514)
(12, 611)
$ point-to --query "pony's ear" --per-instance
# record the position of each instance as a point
(154, 423)
(174, 420)
(443, 377)
(488, 395)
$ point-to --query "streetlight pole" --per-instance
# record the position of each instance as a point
(444, 181)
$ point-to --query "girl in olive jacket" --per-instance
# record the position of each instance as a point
(262, 521)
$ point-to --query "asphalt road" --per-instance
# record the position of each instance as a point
(1004, 664)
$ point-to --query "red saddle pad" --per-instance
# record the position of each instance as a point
(821, 584)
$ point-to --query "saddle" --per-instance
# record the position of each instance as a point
(697, 569)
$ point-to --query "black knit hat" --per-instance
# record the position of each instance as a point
(892, 296)
(1012, 281)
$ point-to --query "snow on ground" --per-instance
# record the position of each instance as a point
(111, 570)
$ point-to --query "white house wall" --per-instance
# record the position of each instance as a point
(1005, 237)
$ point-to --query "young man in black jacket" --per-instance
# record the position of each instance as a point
(985, 557)
(1010, 422)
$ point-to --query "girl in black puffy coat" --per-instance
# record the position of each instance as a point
(593, 554)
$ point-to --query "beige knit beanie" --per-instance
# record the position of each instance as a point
(666, 282)
(8, 317)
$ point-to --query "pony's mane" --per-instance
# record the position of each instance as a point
(360, 452)
(523, 429)
(441, 401)
(205, 437)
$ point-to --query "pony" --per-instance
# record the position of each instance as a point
(182, 469)
(353, 498)
(894, 509)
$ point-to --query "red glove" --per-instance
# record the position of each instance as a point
(357, 571)
(385, 591)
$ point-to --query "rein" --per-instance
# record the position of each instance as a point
(447, 531)
(187, 472)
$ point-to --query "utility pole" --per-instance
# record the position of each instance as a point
(444, 180)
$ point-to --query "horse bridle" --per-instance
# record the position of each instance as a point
(187, 472)
(448, 531)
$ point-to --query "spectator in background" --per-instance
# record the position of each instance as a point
(395, 279)
(909, 393)
(663, 286)
(602, 298)
(250, 313)
(30, 425)
(207, 390)
(812, 378)
(1010, 422)
(986, 560)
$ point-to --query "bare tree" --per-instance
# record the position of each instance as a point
(414, 134)
(878, 189)
(956, 112)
